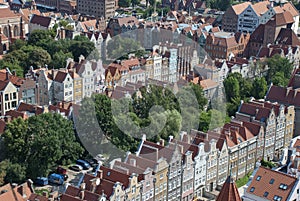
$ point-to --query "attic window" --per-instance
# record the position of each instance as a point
(283, 186)
(277, 198)
(108, 173)
(252, 189)
(271, 181)
(266, 194)
(258, 178)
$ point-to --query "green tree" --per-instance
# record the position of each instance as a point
(279, 64)
(39, 57)
(232, 88)
(18, 44)
(259, 88)
(38, 35)
(15, 173)
(279, 79)
(59, 59)
(46, 140)
(120, 47)
(124, 3)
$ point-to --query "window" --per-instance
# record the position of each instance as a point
(283, 186)
(6, 97)
(271, 181)
(277, 198)
(258, 178)
(252, 189)
(266, 194)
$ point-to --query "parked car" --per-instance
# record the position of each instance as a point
(85, 165)
(41, 181)
(76, 168)
(61, 170)
(56, 179)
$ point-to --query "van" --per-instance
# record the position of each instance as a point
(56, 179)
(83, 164)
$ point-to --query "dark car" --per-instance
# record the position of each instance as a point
(76, 168)
(41, 181)
(61, 170)
(83, 164)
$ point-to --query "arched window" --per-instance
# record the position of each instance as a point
(5, 31)
(16, 31)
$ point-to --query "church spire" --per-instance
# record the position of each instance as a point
(229, 191)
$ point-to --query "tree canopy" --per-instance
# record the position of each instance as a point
(42, 49)
(40, 143)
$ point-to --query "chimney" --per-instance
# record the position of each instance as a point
(132, 162)
(7, 75)
(100, 174)
(82, 186)
(62, 33)
(162, 142)
(45, 194)
(81, 194)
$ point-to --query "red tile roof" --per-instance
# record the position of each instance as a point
(229, 191)
(41, 20)
(25, 107)
(15, 114)
(7, 13)
(262, 185)
(17, 81)
(75, 192)
(19, 193)
(287, 37)
(115, 176)
(260, 113)
(60, 76)
(283, 95)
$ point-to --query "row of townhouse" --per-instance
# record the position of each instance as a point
(71, 84)
(160, 65)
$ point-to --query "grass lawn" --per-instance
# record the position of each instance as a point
(243, 181)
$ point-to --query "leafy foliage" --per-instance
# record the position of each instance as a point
(42, 49)
(122, 120)
(282, 65)
(40, 143)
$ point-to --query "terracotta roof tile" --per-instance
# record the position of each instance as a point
(262, 185)
(7, 13)
(229, 191)
(239, 8)
(291, 8)
(60, 76)
(25, 107)
(283, 95)
(41, 20)
(115, 176)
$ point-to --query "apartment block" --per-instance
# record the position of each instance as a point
(96, 8)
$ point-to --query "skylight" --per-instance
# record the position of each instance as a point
(258, 178)
(283, 186)
(277, 198)
(271, 181)
(266, 194)
(252, 189)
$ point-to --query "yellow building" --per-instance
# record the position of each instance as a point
(77, 86)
